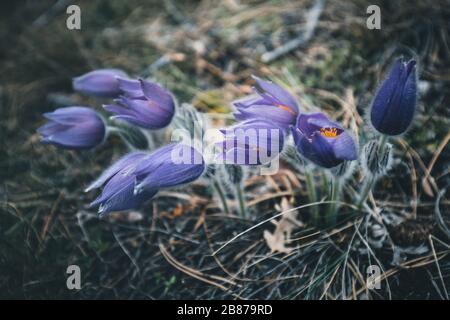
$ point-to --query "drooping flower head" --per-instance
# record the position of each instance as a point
(99, 83)
(395, 102)
(144, 104)
(138, 176)
(119, 181)
(73, 128)
(270, 103)
(252, 142)
(322, 141)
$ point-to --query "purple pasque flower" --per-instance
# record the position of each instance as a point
(138, 176)
(322, 141)
(99, 83)
(395, 102)
(252, 142)
(271, 103)
(144, 104)
(73, 128)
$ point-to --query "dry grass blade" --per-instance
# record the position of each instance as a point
(268, 220)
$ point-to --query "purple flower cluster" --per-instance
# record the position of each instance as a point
(139, 102)
(137, 176)
(317, 138)
(266, 118)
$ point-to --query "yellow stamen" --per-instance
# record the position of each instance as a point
(285, 108)
(329, 132)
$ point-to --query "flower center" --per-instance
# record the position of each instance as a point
(286, 108)
(329, 132)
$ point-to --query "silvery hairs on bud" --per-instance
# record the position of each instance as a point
(386, 159)
(291, 156)
(374, 162)
(220, 174)
(235, 173)
(132, 135)
(190, 119)
(369, 158)
(344, 170)
(211, 171)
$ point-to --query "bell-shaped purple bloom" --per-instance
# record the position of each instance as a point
(144, 104)
(73, 128)
(322, 141)
(271, 103)
(99, 83)
(138, 176)
(252, 142)
(395, 102)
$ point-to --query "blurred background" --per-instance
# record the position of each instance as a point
(205, 52)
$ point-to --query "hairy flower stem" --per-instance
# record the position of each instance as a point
(122, 135)
(150, 139)
(383, 141)
(222, 196)
(371, 179)
(332, 214)
(312, 196)
(112, 129)
(240, 195)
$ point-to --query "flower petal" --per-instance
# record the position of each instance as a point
(278, 116)
(100, 83)
(281, 95)
(131, 88)
(317, 149)
(129, 159)
(71, 115)
(252, 142)
(170, 166)
(143, 113)
(153, 91)
(323, 151)
(119, 195)
(51, 128)
(250, 100)
(344, 147)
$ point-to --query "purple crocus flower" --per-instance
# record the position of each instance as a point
(73, 128)
(144, 104)
(395, 102)
(138, 176)
(99, 83)
(252, 142)
(322, 141)
(271, 103)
